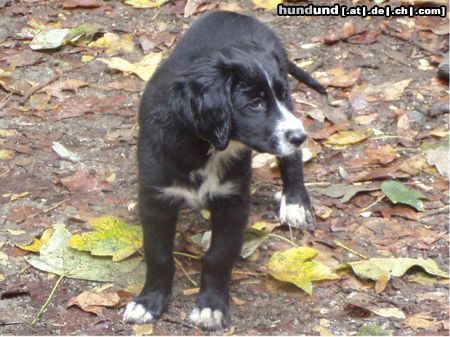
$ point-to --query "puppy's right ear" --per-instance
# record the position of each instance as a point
(201, 99)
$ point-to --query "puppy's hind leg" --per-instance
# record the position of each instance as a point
(159, 220)
(229, 218)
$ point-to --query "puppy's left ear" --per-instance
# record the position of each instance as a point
(202, 100)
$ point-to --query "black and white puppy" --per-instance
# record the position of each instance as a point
(222, 92)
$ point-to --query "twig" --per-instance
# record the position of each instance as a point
(283, 238)
(169, 319)
(195, 257)
(436, 211)
(397, 59)
(45, 305)
(185, 272)
(340, 244)
(39, 87)
(42, 211)
(381, 197)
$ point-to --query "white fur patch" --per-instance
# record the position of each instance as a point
(211, 174)
(286, 123)
(292, 214)
(207, 318)
(136, 313)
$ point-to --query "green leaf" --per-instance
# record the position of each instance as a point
(398, 192)
(373, 330)
(296, 265)
(111, 237)
(373, 269)
(343, 191)
(58, 258)
(85, 32)
(253, 238)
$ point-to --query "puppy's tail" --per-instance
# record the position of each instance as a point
(306, 78)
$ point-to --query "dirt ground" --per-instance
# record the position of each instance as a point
(97, 120)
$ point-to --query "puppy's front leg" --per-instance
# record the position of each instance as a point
(229, 218)
(158, 219)
(295, 206)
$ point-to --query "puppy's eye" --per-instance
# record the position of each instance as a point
(256, 103)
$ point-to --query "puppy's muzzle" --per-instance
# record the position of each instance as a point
(295, 137)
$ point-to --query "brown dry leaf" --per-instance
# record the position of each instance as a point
(94, 302)
(377, 174)
(57, 88)
(237, 300)
(83, 182)
(401, 211)
(388, 91)
(375, 155)
(437, 25)
(347, 30)
(73, 4)
(192, 7)
(422, 320)
(339, 77)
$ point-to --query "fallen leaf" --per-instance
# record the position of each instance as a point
(382, 282)
(373, 330)
(192, 7)
(440, 158)
(296, 265)
(56, 89)
(64, 153)
(6, 154)
(263, 159)
(144, 69)
(398, 192)
(73, 4)
(253, 238)
(143, 329)
(114, 44)
(267, 4)
(423, 321)
(375, 268)
(401, 211)
(343, 191)
(145, 3)
(237, 300)
(83, 182)
(191, 291)
(344, 137)
(375, 155)
(58, 258)
(91, 301)
(388, 91)
(338, 77)
(37, 244)
(50, 39)
(111, 237)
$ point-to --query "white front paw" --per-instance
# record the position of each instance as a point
(294, 215)
(207, 319)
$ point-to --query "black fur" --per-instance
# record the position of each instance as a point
(225, 81)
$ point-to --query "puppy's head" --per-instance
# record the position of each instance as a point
(241, 95)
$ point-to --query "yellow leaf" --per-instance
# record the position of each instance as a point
(389, 312)
(17, 196)
(144, 69)
(6, 154)
(37, 244)
(114, 43)
(111, 237)
(145, 3)
(296, 265)
(2, 277)
(86, 58)
(267, 4)
(382, 282)
(422, 320)
(343, 138)
(7, 132)
(143, 329)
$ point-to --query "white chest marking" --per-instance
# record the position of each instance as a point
(211, 174)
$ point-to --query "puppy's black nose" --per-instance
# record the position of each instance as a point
(295, 137)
